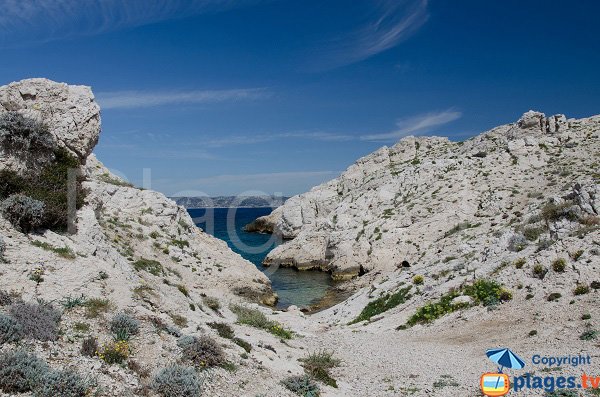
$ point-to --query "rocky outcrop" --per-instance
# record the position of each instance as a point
(400, 203)
(69, 111)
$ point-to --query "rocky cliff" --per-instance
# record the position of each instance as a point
(412, 200)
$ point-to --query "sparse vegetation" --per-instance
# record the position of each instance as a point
(517, 243)
(64, 252)
(149, 265)
(89, 347)
(212, 303)
(383, 304)
(94, 307)
(581, 289)
(318, 365)
(519, 263)
(224, 330)
(539, 271)
(255, 318)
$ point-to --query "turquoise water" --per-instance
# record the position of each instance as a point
(293, 287)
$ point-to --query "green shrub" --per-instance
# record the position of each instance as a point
(62, 383)
(553, 212)
(383, 304)
(70, 303)
(559, 265)
(38, 320)
(177, 381)
(532, 233)
(554, 296)
(202, 351)
(434, 310)
(301, 385)
(519, 263)
(96, 306)
(418, 279)
(180, 243)
(23, 212)
(20, 371)
(183, 290)
(123, 327)
(10, 330)
(243, 344)
(114, 352)
(255, 318)
(581, 289)
(586, 316)
(212, 303)
(589, 334)
(149, 265)
(539, 271)
(318, 365)
(224, 330)
(487, 292)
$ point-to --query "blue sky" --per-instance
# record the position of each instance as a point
(224, 96)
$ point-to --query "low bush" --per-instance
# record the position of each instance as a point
(383, 304)
(25, 138)
(581, 289)
(23, 212)
(224, 330)
(539, 271)
(559, 265)
(519, 263)
(532, 233)
(212, 303)
(418, 279)
(70, 302)
(10, 330)
(123, 327)
(177, 381)
(257, 319)
(243, 344)
(552, 212)
(65, 251)
(517, 243)
(148, 265)
(38, 320)
(318, 365)
(202, 351)
(89, 347)
(114, 352)
(301, 385)
(589, 334)
(554, 296)
(20, 371)
(62, 383)
(487, 292)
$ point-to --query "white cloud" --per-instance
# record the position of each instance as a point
(395, 20)
(416, 125)
(25, 21)
(144, 99)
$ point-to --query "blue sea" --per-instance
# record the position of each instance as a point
(293, 287)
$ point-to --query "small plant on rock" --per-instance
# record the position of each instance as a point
(23, 212)
(559, 265)
(10, 330)
(318, 365)
(301, 385)
(123, 327)
(581, 289)
(177, 381)
(62, 383)
(202, 351)
(418, 279)
(114, 352)
(39, 321)
(539, 271)
(19, 371)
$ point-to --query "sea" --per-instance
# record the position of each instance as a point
(300, 288)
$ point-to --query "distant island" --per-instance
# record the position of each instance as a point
(230, 201)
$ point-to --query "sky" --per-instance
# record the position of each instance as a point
(225, 97)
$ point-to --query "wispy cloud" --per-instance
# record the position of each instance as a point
(145, 99)
(416, 125)
(262, 138)
(393, 22)
(26, 21)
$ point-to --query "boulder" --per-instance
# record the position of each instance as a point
(69, 111)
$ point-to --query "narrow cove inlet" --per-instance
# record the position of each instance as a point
(300, 288)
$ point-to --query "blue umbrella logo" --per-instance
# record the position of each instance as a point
(505, 358)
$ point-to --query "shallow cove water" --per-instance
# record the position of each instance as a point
(293, 287)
